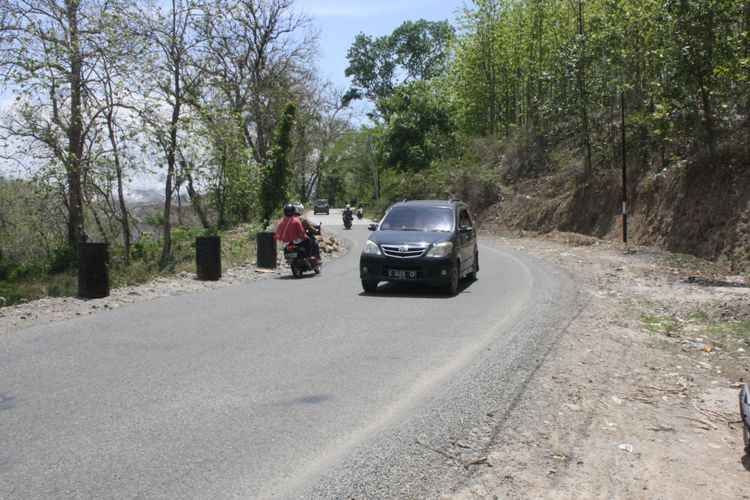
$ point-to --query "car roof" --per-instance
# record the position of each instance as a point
(431, 203)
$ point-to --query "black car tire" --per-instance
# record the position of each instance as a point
(369, 286)
(452, 287)
(474, 268)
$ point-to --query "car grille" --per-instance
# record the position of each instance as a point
(403, 251)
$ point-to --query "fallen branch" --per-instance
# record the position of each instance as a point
(440, 452)
(662, 428)
(710, 425)
(455, 458)
(724, 417)
(664, 389)
(478, 461)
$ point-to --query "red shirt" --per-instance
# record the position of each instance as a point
(290, 229)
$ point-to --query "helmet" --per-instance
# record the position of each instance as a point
(289, 209)
(347, 206)
(299, 208)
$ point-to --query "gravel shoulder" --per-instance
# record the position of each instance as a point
(639, 398)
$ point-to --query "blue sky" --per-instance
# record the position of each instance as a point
(340, 21)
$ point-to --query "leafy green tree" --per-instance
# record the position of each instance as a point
(48, 53)
(414, 51)
(420, 128)
(274, 176)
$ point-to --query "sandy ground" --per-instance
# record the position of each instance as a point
(638, 400)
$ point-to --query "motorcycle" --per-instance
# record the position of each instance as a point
(360, 213)
(347, 222)
(297, 258)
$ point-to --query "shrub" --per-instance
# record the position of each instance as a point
(63, 258)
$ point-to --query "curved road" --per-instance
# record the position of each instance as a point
(280, 388)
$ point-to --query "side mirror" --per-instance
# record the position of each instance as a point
(372, 227)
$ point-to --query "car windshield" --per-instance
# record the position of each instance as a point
(321, 202)
(418, 218)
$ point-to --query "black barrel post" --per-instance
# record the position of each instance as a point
(266, 250)
(208, 257)
(93, 270)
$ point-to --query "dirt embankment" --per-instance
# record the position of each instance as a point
(640, 398)
(685, 208)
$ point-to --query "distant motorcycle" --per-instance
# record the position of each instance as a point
(347, 222)
(297, 258)
(360, 213)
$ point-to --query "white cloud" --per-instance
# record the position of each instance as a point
(363, 8)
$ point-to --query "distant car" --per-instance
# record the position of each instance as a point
(423, 241)
(321, 207)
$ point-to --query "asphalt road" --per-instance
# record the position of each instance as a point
(279, 388)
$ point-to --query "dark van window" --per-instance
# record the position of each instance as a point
(416, 218)
(464, 218)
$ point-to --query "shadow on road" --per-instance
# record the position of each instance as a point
(291, 277)
(416, 291)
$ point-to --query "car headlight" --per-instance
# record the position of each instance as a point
(441, 249)
(371, 248)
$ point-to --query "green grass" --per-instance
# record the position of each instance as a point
(664, 325)
(35, 279)
(728, 334)
(689, 262)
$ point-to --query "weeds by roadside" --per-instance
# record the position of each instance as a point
(36, 278)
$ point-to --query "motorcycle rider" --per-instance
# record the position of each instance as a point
(299, 209)
(347, 214)
(291, 230)
(360, 211)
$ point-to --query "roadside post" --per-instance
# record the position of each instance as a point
(266, 250)
(208, 257)
(93, 270)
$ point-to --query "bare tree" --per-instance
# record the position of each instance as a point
(171, 36)
(257, 52)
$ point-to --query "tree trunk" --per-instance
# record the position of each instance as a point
(124, 219)
(74, 162)
(195, 199)
(166, 249)
(583, 95)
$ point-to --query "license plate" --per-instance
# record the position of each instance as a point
(291, 255)
(398, 273)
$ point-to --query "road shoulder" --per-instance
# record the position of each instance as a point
(639, 396)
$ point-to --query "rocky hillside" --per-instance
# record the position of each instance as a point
(682, 208)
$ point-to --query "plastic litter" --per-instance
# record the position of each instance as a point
(626, 447)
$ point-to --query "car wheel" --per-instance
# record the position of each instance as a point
(474, 268)
(369, 286)
(452, 287)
